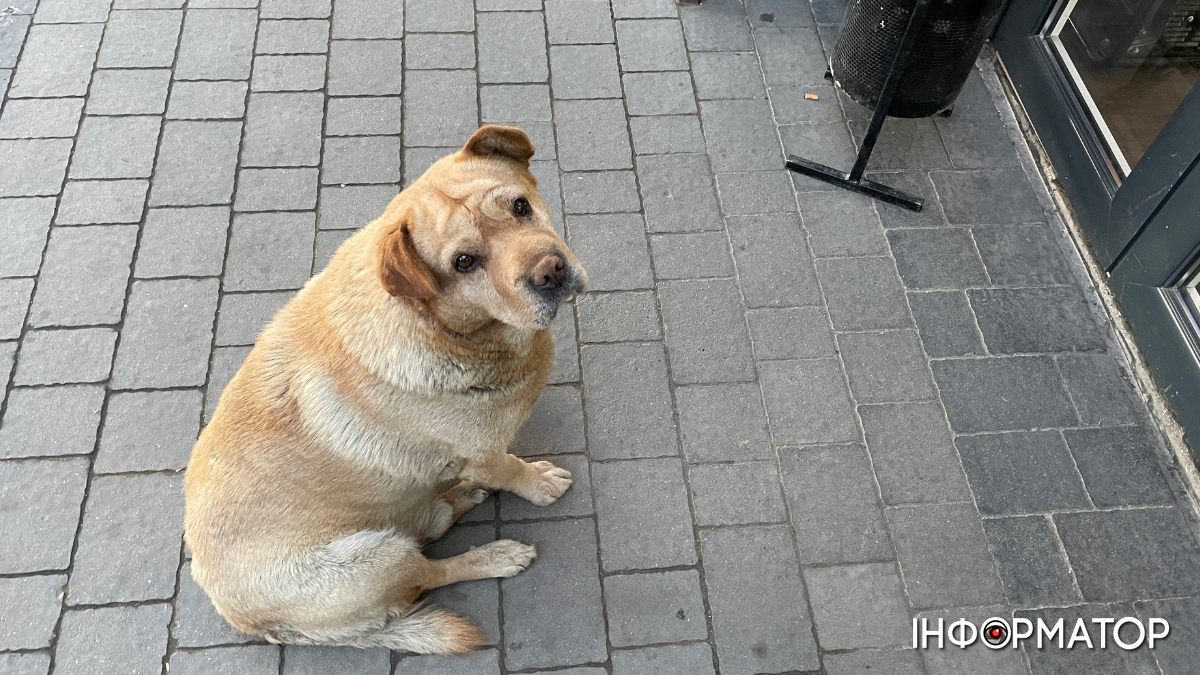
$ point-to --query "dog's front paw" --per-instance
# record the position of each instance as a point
(505, 557)
(552, 482)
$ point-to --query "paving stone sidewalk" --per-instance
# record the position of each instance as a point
(797, 418)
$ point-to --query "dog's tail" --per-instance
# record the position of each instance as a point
(425, 630)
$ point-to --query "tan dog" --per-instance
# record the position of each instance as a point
(409, 363)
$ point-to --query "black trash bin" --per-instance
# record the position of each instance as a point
(950, 38)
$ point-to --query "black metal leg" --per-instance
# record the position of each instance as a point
(854, 179)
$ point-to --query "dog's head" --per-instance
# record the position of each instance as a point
(473, 239)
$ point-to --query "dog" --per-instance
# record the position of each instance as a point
(404, 368)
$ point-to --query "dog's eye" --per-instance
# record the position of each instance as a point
(521, 207)
(464, 262)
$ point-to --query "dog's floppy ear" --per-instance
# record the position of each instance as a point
(493, 140)
(401, 270)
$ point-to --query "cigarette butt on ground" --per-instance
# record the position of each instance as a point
(811, 97)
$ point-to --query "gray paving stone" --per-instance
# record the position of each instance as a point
(755, 192)
(243, 315)
(1035, 320)
(578, 22)
(83, 276)
(320, 660)
(1110, 659)
(299, 72)
(479, 600)
(736, 494)
(841, 224)
(576, 502)
(361, 159)
(56, 61)
(723, 423)
(127, 552)
(1119, 466)
(937, 258)
(1021, 472)
(116, 147)
(643, 9)
(113, 640)
(39, 528)
(549, 186)
(141, 39)
(565, 572)
(326, 246)
(566, 361)
(183, 242)
(217, 44)
(793, 333)
(792, 107)
(651, 45)
(1002, 393)
(998, 197)
(418, 160)
(24, 224)
(820, 412)
(585, 71)
(225, 363)
(694, 255)
(613, 250)
(248, 660)
(207, 100)
(1173, 656)
(37, 602)
(1032, 567)
(51, 421)
(600, 192)
(512, 47)
(1024, 255)
(269, 251)
(222, 4)
(858, 606)
(886, 367)
(834, 508)
(774, 268)
(277, 190)
(617, 317)
(691, 659)
(435, 16)
(654, 608)
(25, 663)
(373, 19)
(107, 201)
(756, 598)
(482, 662)
(705, 331)
(740, 135)
(363, 116)
(556, 423)
(196, 163)
(668, 93)
(441, 108)
(1099, 388)
(905, 144)
(5, 76)
(167, 333)
(727, 74)
(295, 9)
(515, 103)
(976, 141)
(643, 516)
(283, 130)
(892, 662)
(946, 323)
(14, 305)
(828, 144)
(292, 37)
(677, 192)
(41, 118)
(658, 135)
(65, 356)
(912, 453)
(369, 68)
(974, 659)
(790, 55)
(912, 182)
(149, 431)
(592, 135)
(352, 207)
(721, 26)
(439, 51)
(863, 293)
(33, 167)
(944, 555)
(12, 37)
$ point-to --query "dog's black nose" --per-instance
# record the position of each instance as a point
(550, 272)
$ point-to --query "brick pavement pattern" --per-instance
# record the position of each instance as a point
(797, 418)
